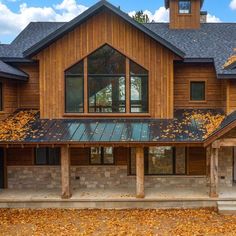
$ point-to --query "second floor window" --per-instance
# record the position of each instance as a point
(106, 81)
(197, 91)
(101, 81)
(184, 6)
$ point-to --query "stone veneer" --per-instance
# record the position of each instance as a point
(39, 177)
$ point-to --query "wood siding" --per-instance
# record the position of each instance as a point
(196, 161)
(184, 21)
(102, 28)
(231, 96)
(29, 91)
(215, 88)
(10, 98)
(20, 156)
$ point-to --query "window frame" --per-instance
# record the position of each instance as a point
(179, 9)
(102, 158)
(190, 91)
(65, 87)
(146, 164)
(47, 157)
(127, 102)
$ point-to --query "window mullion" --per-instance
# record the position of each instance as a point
(86, 85)
(127, 83)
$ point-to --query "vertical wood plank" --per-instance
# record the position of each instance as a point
(214, 173)
(86, 85)
(140, 173)
(127, 83)
(65, 172)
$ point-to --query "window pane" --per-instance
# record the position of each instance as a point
(1, 98)
(54, 156)
(106, 61)
(41, 156)
(77, 69)
(139, 94)
(108, 157)
(160, 160)
(106, 94)
(95, 155)
(74, 94)
(184, 6)
(136, 69)
(197, 91)
(180, 160)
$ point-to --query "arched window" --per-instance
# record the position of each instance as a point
(106, 81)
(74, 88)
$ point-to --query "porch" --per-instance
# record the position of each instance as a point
(117, 198)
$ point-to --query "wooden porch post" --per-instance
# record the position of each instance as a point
(214, 173)
(65, 172)
(140, 173)
(208, 164)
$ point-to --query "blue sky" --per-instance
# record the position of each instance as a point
(16, 14)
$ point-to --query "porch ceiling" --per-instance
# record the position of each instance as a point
(186, 127)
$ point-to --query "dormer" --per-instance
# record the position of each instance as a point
(184, 14)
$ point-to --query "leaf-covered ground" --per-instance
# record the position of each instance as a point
(116, 222)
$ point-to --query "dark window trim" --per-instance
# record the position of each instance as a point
(102, 158)
(197, 82)
(190, 10)
(47, 158)
(146, 164)
(138, 75)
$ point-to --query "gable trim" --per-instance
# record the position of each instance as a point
(84, 16)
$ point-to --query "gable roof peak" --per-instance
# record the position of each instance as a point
(67, 27)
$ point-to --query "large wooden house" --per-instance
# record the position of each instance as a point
(103, 101)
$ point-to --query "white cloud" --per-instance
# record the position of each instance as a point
(213, 19)
(233, 4)
(160, 15)
(11, 23)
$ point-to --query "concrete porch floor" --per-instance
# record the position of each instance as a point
(117, 194)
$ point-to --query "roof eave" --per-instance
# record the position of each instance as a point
(13, 77)
(84, 16)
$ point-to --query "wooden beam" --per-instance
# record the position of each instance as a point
(140, 173)
(65, 172)
(226, 142)
(214, 181)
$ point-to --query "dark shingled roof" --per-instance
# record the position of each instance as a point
(213, 41)
(7, 71)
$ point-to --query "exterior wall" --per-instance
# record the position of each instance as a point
(29, 91)
(215, 88)
(231, 96)
(184, 21)
(10, 99)
(31, 177)
(226, 166)
(106, 27)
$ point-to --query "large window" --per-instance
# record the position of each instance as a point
(161, 161)
(101, 156)
(184, 6)
(106, 81)
(99, 83)
(139, 88)
(47, 156)
(1, 97)
(74, 87)
(197, 91)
